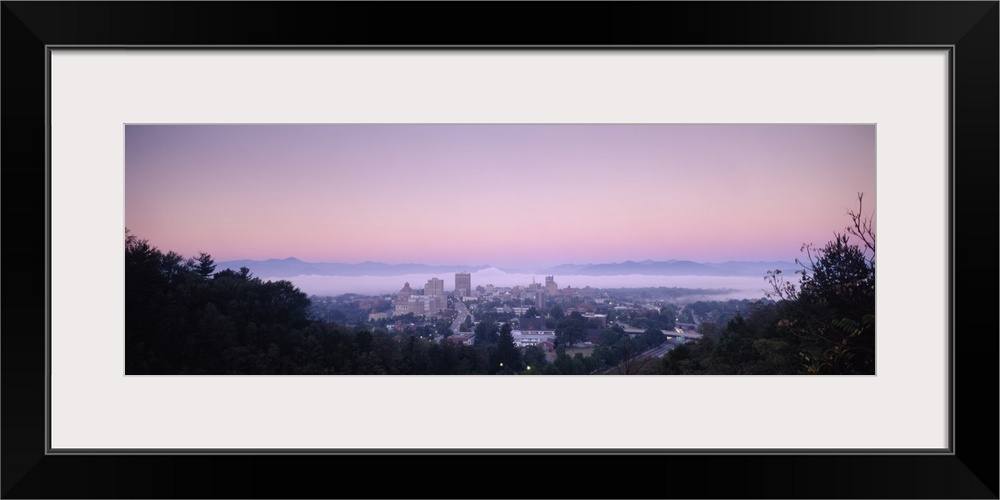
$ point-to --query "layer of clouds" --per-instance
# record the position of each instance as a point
(738, 287)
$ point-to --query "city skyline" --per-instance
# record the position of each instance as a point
(502, 195)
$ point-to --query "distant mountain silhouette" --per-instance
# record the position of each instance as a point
(672, 268)
(288, 267)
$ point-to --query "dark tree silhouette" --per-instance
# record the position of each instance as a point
(571, 329)
(832, 309)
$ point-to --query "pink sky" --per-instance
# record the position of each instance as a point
(504, 195)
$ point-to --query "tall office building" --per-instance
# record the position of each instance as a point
(550, 284)
(463, 284)
(435, 288)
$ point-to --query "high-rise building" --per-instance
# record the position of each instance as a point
(435, 289)
(434, 286)
(550, 284)
(405, 293)
(402, 304)
(421, 305)
(463, 284)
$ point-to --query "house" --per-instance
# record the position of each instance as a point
(531, 323)
(524, 338)
(461, 338)
(594, 335)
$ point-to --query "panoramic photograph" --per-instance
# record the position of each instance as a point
(500, 249)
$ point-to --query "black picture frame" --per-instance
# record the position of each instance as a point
(969, 28)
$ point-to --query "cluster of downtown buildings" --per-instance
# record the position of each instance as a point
(433, 301)
(433, 298)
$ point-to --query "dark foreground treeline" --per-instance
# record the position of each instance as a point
(809, 335)
(823, 324)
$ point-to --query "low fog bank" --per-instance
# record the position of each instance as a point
(734, 287)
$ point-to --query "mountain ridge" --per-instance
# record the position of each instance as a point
(291, 266)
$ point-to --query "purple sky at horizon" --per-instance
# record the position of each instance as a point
(503, 195)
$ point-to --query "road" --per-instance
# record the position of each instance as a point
(661, 350)
(670, 333)
(462, 313)
(656, 352)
